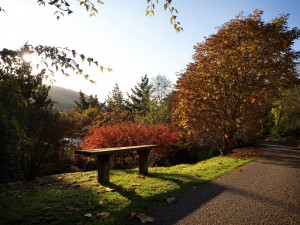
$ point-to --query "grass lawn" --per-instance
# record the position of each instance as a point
(66, 198)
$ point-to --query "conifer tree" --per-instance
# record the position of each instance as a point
(139, 100)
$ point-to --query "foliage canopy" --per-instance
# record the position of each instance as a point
(234, 72)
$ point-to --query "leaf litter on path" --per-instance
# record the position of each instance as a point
(142, 217)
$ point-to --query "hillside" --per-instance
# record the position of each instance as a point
(63, 98)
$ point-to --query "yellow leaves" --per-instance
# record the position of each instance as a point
(226, 136)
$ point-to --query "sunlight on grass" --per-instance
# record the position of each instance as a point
(66, 198)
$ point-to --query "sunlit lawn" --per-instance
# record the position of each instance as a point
(66, 198)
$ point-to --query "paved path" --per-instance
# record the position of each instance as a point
(266, 191)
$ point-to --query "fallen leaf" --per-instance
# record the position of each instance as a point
(239, 169)
(141, 176)
(102, 215)
(134, 185)
(109, 190)
(130, 189)
(171, 200)
(102, 202)
(73, 208)
(142, 217)
(88, 215)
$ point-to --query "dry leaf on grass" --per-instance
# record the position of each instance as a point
(142, 217)
(102, 215)
(171, 200)
(109, 190)
(129, 189)
(73, 208)
(102, 202)
(135, 185)
(88, 215)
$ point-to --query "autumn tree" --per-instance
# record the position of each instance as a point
(139, 100)
(234, 72)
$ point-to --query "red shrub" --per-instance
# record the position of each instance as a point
(130, 134)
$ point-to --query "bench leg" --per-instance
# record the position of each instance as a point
(103, 168)
(143, 161)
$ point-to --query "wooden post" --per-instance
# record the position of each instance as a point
(103, 168)
(143, 161)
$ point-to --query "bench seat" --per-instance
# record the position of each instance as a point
(103, 157)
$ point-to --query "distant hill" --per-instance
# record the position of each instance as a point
(63, 98)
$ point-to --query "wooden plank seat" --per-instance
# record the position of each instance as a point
(103, 157)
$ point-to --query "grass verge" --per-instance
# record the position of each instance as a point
(66, 198)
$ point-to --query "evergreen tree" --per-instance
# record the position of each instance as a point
(115, 100)
(84, 103)
(140, 97)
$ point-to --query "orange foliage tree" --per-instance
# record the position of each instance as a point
(234, 72)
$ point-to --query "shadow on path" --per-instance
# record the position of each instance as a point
(281, 155)
(199, 206)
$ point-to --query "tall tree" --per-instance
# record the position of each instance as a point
(162, 87)
(25, 109)
(234, 72)
(84, 103)
(115, 100)
(286, 112)
(140, 97)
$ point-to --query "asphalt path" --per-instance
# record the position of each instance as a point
(266, 191)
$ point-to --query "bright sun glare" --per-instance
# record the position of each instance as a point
(27, 57)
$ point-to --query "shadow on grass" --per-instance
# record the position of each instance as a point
(156, 202)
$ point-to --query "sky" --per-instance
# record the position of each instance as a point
(121, 37)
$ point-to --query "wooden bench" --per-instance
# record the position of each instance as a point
(103, 157)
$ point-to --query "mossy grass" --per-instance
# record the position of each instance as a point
(66, 198)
